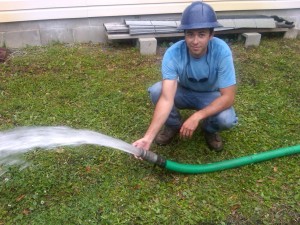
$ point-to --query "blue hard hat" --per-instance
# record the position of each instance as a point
(198, 15)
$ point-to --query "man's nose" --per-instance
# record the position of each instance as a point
(196, 39)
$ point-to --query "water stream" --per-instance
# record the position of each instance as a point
(20, 140)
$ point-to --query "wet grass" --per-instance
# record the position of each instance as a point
(103, 88)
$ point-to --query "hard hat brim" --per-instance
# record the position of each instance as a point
(199, 26)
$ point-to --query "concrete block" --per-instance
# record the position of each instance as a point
(87, 34)
(56, 35)
(19, 26)
(29, 25)
(291, 34)
(7, 27)
(147, 46)
(252, 39)
(63, 23)
(21, 39)
(1, 39)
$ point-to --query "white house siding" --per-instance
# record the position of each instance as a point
(28, 10)
(38, 22)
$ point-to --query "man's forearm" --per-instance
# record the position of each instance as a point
(225, 101)
(161, 113)
(162, 109)
(218, 105)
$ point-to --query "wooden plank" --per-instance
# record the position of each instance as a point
(137, 27)
(232, 31)
(244, 23)
(152, 23)
(257, 30)
(128, 36)
(249, 23)
(265, 23)
(151, 31)
(227, 22)
(116, 28)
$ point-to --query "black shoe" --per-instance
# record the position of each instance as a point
(166, 135)
(214, 141)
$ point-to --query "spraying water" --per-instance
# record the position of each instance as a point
(21, 140)
(17, 141)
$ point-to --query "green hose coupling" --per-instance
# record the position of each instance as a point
(152, 158)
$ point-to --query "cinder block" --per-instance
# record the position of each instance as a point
(63, 23)
(28, 25)
(147, 46)
(56, 35)
(252, 39)
(87, 34)
(21, 39)
(8, 27)
(291, 34)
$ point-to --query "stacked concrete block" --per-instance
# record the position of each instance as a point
(36, 33)
(87, 34)
(61, 35)
(21, 39)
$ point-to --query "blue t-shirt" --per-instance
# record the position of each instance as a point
(212, 71)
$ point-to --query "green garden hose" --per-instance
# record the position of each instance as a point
(218, 166)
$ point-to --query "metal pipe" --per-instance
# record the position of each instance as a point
(152, 157)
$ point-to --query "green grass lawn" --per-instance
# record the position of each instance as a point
(104, 88)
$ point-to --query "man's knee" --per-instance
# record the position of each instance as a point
(155, 91)
(227, 119)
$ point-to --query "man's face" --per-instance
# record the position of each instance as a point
(197, 41)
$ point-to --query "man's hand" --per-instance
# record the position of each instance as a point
(189, 126)
(142, 143)
(221, 103)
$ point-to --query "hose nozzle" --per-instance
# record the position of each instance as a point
(153, 158)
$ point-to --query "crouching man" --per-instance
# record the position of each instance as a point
(197, 73)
